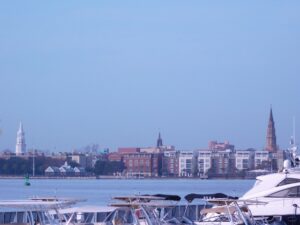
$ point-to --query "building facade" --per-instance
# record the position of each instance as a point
(262, 159)
(244, 160)
(185, 163)
(142, 164)
(204, 161)
(170, 163)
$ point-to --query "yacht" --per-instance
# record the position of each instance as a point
(280, 192)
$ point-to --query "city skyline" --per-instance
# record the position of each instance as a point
(117, 73)
(270, 144)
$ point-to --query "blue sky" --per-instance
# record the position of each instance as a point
(118, 72)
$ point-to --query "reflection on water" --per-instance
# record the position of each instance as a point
(100, 192)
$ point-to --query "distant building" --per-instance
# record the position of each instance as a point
(114, 156)
(244, 160)
(204, 160)
(128, 150)
(214, 145)
(222, 163)
(142, 164)
(262, 159)
(150, 150)
(186, 163)
(170, 163)
(271, 145)
(64, 170)
(52, 171)
(20, 145)
(79, 171)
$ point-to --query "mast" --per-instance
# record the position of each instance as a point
(294, 130)
(33, 164)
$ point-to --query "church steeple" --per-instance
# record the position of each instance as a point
(271, 145)
(159, 142)
(20, 145)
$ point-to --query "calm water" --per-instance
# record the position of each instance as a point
(99, 192)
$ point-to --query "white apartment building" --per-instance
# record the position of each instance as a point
(261, 156)
(244, 160)
(203, 160)
(185, 163)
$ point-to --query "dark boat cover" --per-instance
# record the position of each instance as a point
(192, 196)
(168, 197)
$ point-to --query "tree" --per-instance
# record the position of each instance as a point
(73, 164)
(108, 167)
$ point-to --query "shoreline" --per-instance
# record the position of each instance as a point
(118, 178)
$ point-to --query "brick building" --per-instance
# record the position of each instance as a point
(141, 164)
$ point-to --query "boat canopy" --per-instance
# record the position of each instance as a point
(192, 196)
(148, 198)
(168, 197)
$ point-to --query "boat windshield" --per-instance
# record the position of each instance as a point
(288, 181)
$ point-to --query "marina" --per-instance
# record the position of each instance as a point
(135, 210)
(100, 192)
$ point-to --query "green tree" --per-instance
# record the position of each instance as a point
(108, 167)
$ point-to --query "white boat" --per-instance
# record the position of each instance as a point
(42, 211)
(86, 214)
(280, 191)
(149, 210)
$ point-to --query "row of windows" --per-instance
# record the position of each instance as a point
(138, 156)
(137, 162)
(204, 154)
(243, 154)
(262, 154)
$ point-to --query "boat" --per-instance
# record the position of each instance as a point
(280, 191)
(223, 209)
(36, 211)
(91, 215)
(155, 210)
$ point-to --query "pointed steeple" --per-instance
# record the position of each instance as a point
(159, 142)
(271, 145)
(20, 143)
(271, 115)
(21, 128)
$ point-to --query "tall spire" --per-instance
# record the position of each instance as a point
(159, 142)
(21, 128)
(271, 145)
(20, 145)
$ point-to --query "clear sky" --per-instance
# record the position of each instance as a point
(118, 72)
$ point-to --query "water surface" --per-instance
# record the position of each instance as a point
(100, 192)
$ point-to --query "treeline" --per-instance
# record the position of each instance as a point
(21, 166)
(103, 167)
(17, 166)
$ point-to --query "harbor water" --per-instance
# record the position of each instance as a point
(100, 192)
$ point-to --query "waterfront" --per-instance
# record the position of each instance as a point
(100, 192)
